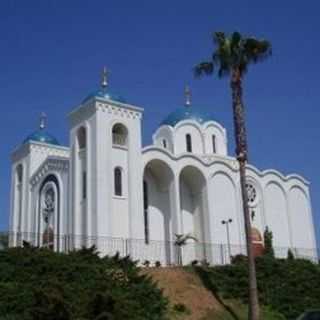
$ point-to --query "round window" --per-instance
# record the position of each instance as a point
(252, 194)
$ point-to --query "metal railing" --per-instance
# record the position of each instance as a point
(163, 252)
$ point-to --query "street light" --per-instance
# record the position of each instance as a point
(226, 223)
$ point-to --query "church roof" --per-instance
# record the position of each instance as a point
(105, 94)
(104, 91)
(186, 113)
(42, 135)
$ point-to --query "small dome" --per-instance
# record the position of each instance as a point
(105, 95)
(43, 136)
(186, 113)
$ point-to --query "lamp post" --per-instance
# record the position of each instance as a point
(226, 223)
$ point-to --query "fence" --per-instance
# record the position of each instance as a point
(165, 252)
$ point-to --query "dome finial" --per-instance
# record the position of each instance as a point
(187, 94)
(43, 120)
(104, 78)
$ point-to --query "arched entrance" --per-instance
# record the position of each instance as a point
(49, 213)
(192, 204)
(158, 181)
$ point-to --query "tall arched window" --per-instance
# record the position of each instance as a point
(18, 195)
(188, 143)
(164, 143)
(48, 220)
(84, 185)
(145, 212)
(118, 181)
(119, 135)
(214, 148)
(82, 138)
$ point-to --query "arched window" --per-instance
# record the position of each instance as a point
(118, 182)
(188, 143)
(48, 218)
(84, 185)
(82, 138)
(214, 148)
(19, 173)
(119, 135)
(164, 143)
(18, 195)
(145, 212)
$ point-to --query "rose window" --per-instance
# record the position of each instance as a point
(252, 193)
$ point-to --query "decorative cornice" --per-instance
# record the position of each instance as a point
(206, 160)
(57, 164)
(23, 150)
(122, 110)
(278, 174)
(95, 103)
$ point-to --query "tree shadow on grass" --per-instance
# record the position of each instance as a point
(208, 283)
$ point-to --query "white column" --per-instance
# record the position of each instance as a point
(89, 183)
(175, 208)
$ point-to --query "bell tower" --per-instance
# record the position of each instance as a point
(106, 166)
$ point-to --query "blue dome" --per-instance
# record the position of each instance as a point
(105, 95)
(186, 113)
(43, 136)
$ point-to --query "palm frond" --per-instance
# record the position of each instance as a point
(181, 239)
(233, 52)
(257, 50)
(203, 68)
(219, 38)
(235, 39)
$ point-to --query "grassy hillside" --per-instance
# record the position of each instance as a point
(190, 299)
(37, 284)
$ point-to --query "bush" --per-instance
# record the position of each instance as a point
(157, 264)
(288, 287)
(268, 243)
(194, 262)
(37, 284)
(146, 263)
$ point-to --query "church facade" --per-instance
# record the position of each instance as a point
(106, 189)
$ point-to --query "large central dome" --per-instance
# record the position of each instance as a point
(186, 113)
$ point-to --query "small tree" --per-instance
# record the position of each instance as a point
(180, 241)
(268, 243)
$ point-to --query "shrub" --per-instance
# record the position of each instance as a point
(239, 258)
(194, 262)
(40, 284)
(146, 263)
(157, 264)
(268, 243)
(287, 286)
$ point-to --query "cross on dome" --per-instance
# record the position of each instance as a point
(187, 94)
(43, 120)
(104, 78)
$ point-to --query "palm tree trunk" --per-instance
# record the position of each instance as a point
(242, 156)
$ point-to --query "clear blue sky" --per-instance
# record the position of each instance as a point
(52, 52)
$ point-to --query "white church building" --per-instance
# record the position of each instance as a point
(107, 189)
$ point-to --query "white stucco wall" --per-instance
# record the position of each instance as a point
(189, 192)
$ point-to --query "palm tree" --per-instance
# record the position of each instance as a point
(232, 57)
(180, 241)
